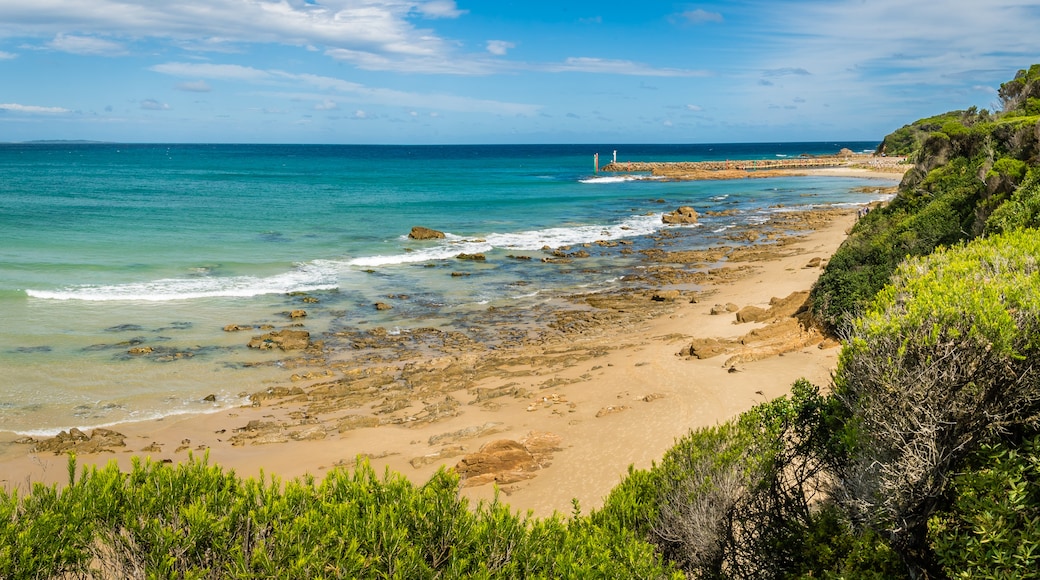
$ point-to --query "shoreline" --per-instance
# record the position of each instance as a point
(609, 390)
(612, 380)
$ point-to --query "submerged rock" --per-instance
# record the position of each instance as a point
(283, 339)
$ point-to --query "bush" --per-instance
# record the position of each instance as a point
(198, 521)
(939, 364)
(992, 528)
(1022, 210)
(939, 211)
(737, 500)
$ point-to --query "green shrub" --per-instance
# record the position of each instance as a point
(939, 211)
(992, 528)
(737, 500)
(1022, 210)
(198, 521)
(940, 363)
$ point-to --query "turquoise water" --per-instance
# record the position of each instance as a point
(106, 246)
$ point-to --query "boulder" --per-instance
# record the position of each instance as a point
(682, 215)
(752, 314)
(794, 304)
(474, 257)
(421, 233)
(283, 339)
(237, 327)
(724, 308)
(666, 296)
(703, 348)
(506, 461)
(76, 441)
(382, 306)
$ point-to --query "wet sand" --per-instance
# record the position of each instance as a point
(609, 381)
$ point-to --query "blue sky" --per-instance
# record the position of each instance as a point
(499, 71)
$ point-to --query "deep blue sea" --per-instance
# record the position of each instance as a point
(105, 246)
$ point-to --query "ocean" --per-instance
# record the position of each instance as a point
(108, 247)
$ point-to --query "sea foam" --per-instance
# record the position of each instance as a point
(303, 278)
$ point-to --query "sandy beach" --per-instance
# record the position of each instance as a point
(616, 381)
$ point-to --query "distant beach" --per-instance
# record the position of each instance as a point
(581, 347)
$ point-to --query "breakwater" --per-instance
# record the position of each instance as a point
(667, 167)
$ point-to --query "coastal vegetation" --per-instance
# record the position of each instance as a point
(920, 460)
(196, 520)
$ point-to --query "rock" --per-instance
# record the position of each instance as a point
(382, 306)
(474, 257)
(541, 443)
(210, 398)
(496, 459)
(76, 441)
(138, 350)
(237, 327)
(814, 263)
(445, 453)
(666, 296)
(794, 304)
(283, 339)
(724, 308)
(703, 348)
(682, 215)
(506, 461)
(298, 314)
(421, 233)
(351, 422)
(610, 410)
(466, 433)
(752, 314)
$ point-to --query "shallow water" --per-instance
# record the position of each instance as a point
(105, 247)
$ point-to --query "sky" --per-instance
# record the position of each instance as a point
(499, 71)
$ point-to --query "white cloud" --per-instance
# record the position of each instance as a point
(15, 107)
(377, 26)
(326, 105)
(499, 47)
(212, 71)
(7, 55)
(154, 105)
(368, 60)
(359, 114)
(357, 92)
(884, 43)
(619, 67)
(439, 9)
(694, 108)
(194, 87)
(86, 45)
(699, 16)
(785, 71)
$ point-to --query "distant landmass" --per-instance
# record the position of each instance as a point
(60, 141)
